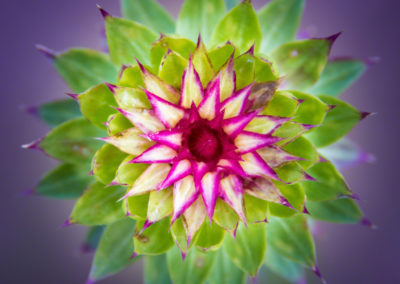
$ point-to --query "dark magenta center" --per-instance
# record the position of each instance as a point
(204, 143)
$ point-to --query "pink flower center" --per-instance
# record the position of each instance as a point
(204, 143)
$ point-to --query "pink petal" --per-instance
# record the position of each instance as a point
(149, 179)
(192, 89)
(168, 113)
(143, 119)
(232, 193)
(266, 124)
(275, 156)
(193, 219)
(255, 166)
(233, 126)
(251, 141)
(233, 166)
(185, 193)
(157, 86)
(209, 191)
(129, 141)
(235, 104)
(178, 171)
(156, 154)
(209, 106)
(171, 138)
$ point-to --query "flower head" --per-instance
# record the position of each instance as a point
(231, 134)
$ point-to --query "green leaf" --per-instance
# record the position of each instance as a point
(256, 209)
(67, 181)
(311, 111)
(114, 251)
(337, 123)
(244, 67)
(224, 216)
(131, 98)
(98, 206)
(224, 271)
(230, 4)
(194, 269)
(240, 26)
(156, 270)
(97, 104)
(179, 235)
(92, 238)
(199, 17)
(131, 77)
(282, 104)
(180, 45)
(248, 250)
(128, 172)
(202, 64)
(149, 13)
(301, 62)
(128, 40)
(303, 148)
(291, 238)
(106, 163)
(283, 266)
(329, 183)
(172, 68)
(156, 239)
(56, 112)
(294, 194)
(220, 55)
(263, 71)
(84, 68)
(343, 210)
(210, 236)
(73, 141)
(137, 206)
(337, 76)
(117, 123)
(279, 21)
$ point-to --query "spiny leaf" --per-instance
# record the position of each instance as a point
(98, 206)
(224, 271)
(239, 26)
(329, 183)
(114, 251)
(248, 250)
(73, 141)
(199, 17)
(56, 112)
(343, 210)
(337, 123)
(194, 269)
(148, 13)
(106, 162)
(301, 62)
(97, 105)
(279, 21)
(291, 238)
(156, 239)
(84, 68)
(128, 40)
(67, 181)
(337, 76)
(156, 270)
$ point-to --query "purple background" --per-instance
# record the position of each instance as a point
(33, 247)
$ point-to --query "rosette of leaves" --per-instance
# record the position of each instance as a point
(206, 145)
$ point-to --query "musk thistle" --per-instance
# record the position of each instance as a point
(213, 140)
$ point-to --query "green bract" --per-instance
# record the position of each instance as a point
(216, 139)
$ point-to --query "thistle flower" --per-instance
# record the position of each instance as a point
(216, 152)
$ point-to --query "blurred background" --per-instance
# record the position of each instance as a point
(33, 248)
